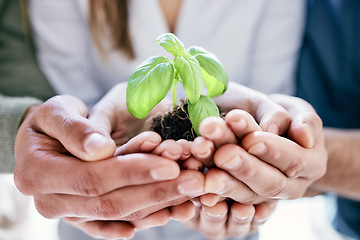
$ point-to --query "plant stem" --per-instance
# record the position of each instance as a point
(174, 87)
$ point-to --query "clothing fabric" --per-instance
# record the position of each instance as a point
(257, 41)
(12, 110)
(19, 76)
(329, 78)
(21, 82)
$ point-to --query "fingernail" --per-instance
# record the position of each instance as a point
(148, 145)
(215, 133)
(258, 221)
(94, 143)
(196, 203)
(171, 155)
(204, 154)
(257, 149)
(190, 187)
(240, 219)
(273, 128)
(203, 149)
(239, 122)
(164, 173)
(232, 163)
(309, 133)
(214, 215)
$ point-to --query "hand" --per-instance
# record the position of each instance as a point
(49, 145)
(111, 114)
(266, 165)
(228, 219)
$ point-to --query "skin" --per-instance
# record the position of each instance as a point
(215, 217)
(62, 126)
(343, 166)
(248, 170)
(267, 165)
(42, 159)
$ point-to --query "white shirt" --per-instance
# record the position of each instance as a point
(256, 40)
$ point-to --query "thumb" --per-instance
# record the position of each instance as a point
(64, 118)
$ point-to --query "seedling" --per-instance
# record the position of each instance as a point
(153, 79)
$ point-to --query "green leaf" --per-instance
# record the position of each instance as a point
(190, 73)
(171, 43)
(148, 85)
(215, 76)
(202, 109)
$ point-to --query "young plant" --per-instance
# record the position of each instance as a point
(153, 79)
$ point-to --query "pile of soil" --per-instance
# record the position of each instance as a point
(174, 125)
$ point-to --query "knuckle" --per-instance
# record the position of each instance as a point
(276, 191)
(247, 172)
(314, 120)
(88, 183)
(24, 183)
(159, 195)
(251, 199)
(45, 209)
(109, 208)
(67, 127)
(320, 171)
(134, 216)
(295, 167)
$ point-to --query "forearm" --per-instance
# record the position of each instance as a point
(343, 169)
(12, 110)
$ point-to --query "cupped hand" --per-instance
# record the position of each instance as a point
(228, 219)
(112, 115)
(260, 164)
(49, 147)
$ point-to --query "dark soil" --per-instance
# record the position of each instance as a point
(174, 125)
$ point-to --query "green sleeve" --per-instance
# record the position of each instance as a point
(22, 84)
(12, 110)
(19, 71)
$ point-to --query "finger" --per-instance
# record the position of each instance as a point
(215, 129)
(262, 178)
(203, 150)
(192, 164)
(64, 118)
(111, 113)
(106, 229)
(143, 142)
(93, 178)
(183, 212)
(306, 126)
(210, 199)
(241, 123)
(263, 212)
(169, 149)
(193, 223)
(222, 183)
(284, 154)
(186, 146)
(271, 116)
(240, 219)
(159, 218)
(127, 203)
(213, 220)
